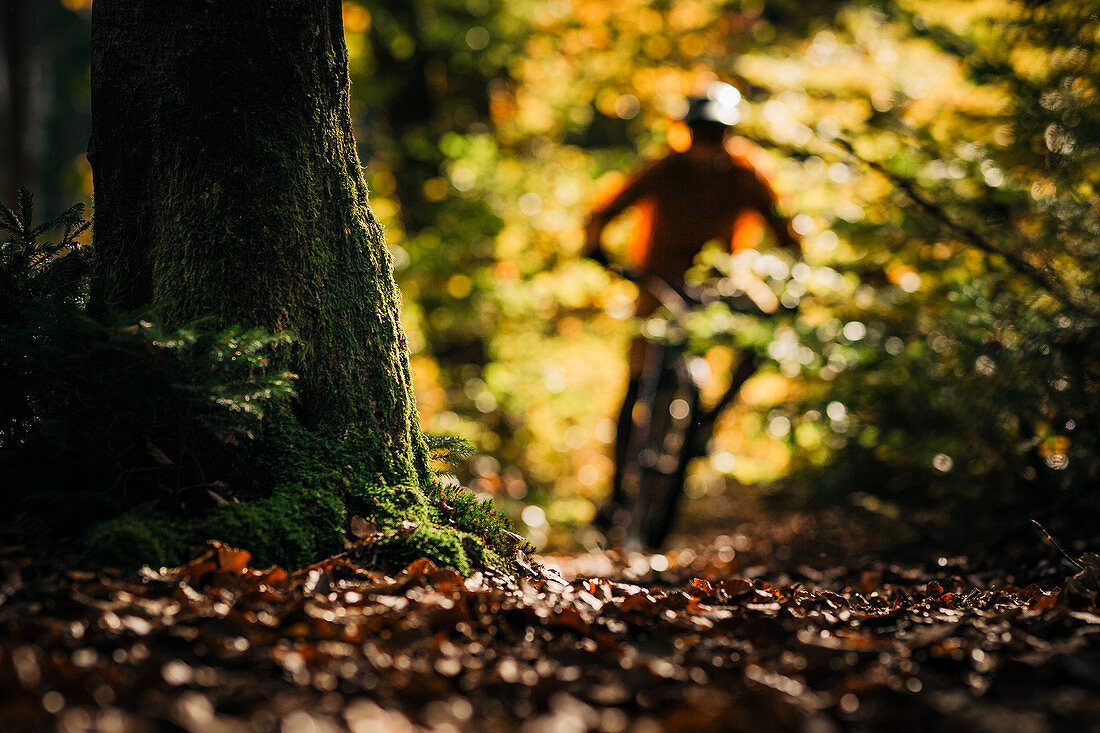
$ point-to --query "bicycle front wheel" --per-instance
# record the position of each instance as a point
(660, 459)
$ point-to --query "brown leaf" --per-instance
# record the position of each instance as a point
(445, 509)
(231, 559)
(870, 580)
(418, 569)
(274, 574)
(1045, 602)
(362, 529)
(445, 580)
(639, 602)
(733, 588)
(521, 560)
(702, 588)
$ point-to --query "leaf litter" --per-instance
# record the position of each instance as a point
(604, 641)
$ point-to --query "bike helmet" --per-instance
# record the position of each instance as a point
(720, 105)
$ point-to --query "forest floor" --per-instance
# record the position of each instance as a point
(795, 622)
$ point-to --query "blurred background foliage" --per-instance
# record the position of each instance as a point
(939, 158)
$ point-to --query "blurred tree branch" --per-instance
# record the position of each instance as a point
(1040, 276)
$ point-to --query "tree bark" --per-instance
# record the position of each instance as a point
(227, 185)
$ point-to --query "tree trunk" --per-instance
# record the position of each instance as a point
(227, 185)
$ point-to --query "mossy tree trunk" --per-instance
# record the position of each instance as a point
(227, 184)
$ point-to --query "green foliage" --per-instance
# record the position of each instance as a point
(127, 541)
(973, 401)
(963, 376)
(295, 525)
(105, 416)
(478, 518)
(943, 158)
(148, 440)
(449, 449)
(32, 268)
(319, 481)
(942, 155)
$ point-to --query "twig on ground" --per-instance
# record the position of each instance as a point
(1054, 543)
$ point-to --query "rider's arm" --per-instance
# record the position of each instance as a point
(593, 228)
(780, 225)
(635, 189)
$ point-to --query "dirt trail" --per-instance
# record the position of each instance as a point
(740, 633)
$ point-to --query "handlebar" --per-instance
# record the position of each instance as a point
(677, 302)
(748, 293)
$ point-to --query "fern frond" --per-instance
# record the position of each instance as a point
(450, 449)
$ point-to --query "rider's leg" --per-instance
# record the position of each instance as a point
(605, 517)
(746, 367)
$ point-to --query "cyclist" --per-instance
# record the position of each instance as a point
(686, 199)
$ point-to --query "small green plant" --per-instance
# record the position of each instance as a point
(98, 416)
(130, 435)
(32, 268)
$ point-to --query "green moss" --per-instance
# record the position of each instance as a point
(442, 545)
(479, 520)
(130, 541)
(294, 526)
(320, 480)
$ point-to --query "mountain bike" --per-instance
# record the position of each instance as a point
(668, 423)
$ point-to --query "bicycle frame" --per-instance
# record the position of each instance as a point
(666, 420)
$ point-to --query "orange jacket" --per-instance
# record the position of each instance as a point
(686, 201)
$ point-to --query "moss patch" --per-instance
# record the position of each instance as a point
(320, 481)
(121, 542)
